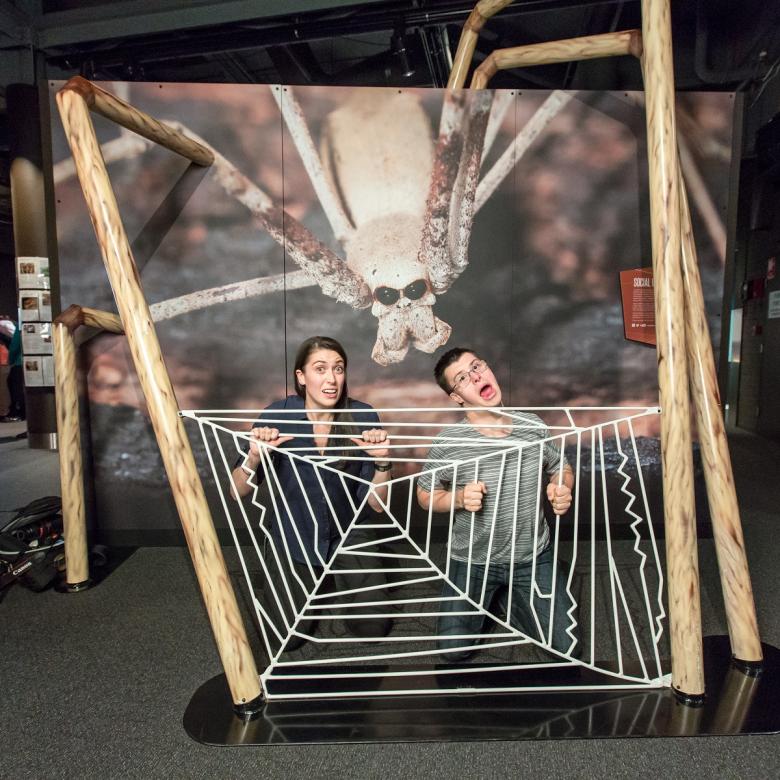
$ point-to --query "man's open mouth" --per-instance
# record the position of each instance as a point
(487, 392)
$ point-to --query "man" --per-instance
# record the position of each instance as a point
(499, 541)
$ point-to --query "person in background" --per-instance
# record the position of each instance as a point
(11, 336)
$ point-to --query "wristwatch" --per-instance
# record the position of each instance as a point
(383, 466)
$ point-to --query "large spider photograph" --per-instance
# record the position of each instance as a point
(400, 222)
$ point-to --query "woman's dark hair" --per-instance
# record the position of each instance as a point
(312, 344)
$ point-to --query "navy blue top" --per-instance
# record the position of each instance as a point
(317, 523)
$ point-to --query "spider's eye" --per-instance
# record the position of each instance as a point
(386, 295)
(416, 289)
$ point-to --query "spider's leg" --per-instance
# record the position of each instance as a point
(302, 246)
(450, 203)
(502, 100)
(328, 196)
(464, 195)
(551, 107)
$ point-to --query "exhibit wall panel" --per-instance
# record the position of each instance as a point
(538, 296)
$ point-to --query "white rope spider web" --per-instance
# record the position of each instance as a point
(394, 568)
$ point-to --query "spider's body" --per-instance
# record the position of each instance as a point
(378, 151)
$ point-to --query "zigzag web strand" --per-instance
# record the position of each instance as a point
(262, 615)
(269, 543)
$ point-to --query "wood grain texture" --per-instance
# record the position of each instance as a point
(66, 400)
(111, 107)
(481, 12)
(569, 50)
(104, 320)
(676, 446)
(724, 510)
(208, 561)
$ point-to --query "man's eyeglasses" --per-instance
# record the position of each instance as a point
(462, 378)
(414, 291)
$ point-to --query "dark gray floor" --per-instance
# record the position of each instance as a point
(95, 684)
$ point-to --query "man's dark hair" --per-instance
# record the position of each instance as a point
(446, 360)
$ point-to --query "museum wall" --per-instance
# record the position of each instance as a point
(537, 295)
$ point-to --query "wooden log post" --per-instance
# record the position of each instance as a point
(69, 438)
(588, 47)
(188, 493)
(676, 445)
(103, 320)
(66, 399)
(481, 12)
(113, 108)
(724, 510)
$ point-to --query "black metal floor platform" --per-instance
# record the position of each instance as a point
(735, 703)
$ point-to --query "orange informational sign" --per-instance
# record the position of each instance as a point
(637, 296)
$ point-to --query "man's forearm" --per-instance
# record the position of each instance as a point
(441, 500)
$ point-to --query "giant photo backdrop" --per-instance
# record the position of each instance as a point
(537, 292)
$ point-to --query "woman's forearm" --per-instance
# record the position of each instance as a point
(240, 482)
(379, 494)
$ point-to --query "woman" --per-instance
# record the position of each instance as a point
(315, 505)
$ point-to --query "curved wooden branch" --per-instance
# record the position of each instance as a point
(718, 475)
(481, 12)
(69, 445)
(587, 47)
(111, 107)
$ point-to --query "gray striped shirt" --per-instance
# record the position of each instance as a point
(513, 500)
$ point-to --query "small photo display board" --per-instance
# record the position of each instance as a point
(38, 370)
(35, 320)
(33, 273)
(36, 338)
(773, 309)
